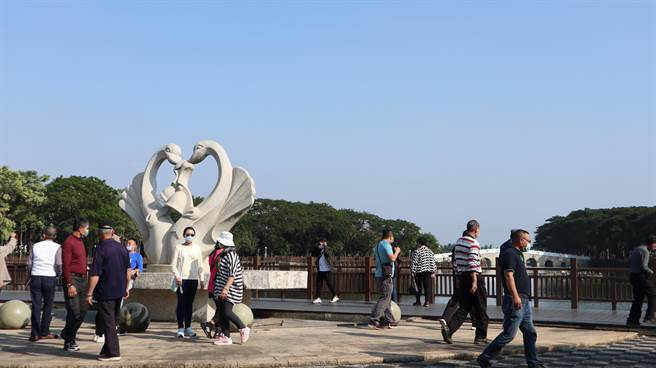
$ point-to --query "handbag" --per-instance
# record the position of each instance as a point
(387, 267)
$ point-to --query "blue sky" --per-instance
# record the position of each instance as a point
(435, 112)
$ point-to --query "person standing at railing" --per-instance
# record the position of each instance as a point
(44, 265)
(516, 306)
(423, 267)
(640, 275)
(472, 296)
(324, 271)
(5, 277)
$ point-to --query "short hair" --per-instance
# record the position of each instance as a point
(387, 232)
(80, 222)
(132, 240)
(516, 235)
(322, 240)
(651, 239)
(472, 225)
(188, 228)
(422, 240)
(50, 232)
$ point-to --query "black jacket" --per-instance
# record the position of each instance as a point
(327, 254)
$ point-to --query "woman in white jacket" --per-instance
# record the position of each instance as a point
(187, 268)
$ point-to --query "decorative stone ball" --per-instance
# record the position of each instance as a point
(396, 311)
(134, 317)
(244, 313)
(14, 314)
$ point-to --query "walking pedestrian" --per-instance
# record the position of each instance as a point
(516, 306)
(640, 275)
(472, 296)
(7, 249)
(385, 269)
(423, 268)
(324, 271)
(229, 291)
(210, 328)
(110, 273)
(187, 267)
(74, 259)
(44, 265)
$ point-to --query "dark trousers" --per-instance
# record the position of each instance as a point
(185, 306)
(108, 311)
(42, 291)
(424, 282)
(513, 320)
(474, 304)
(641, 289)
(76, 308)
(226, 315)
(100, 328)
(328, 277)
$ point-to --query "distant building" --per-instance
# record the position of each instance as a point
(534, 258)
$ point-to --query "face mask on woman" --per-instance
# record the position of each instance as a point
(189, 238)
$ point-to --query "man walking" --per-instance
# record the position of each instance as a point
(108, 283)
(44, 265)
(516, 306)
(324, 271)
(385, 269)
(74, 257)
(640, 274)
(472, 296)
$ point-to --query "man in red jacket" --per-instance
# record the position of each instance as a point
(74, 259)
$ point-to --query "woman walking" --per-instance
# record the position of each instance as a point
(424, 268)
(228, 291)
(187, 268)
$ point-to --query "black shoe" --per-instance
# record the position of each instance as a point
(446, 332)
(483, 363)
(417, 304)
(71, 347)
(632, 324)
(483, 341)
(207, 328)
(374, 325)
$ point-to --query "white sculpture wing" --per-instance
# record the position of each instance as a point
(240, 200)
(130, 202)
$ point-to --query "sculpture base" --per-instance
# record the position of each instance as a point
(153, 289)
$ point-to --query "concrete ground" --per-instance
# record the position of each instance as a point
(278, 343)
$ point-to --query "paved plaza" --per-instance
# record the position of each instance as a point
(280, 343)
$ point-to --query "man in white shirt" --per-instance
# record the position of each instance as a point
(44, 265)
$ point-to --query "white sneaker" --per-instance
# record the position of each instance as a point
(317, 301)
(180, 333)
(189, 332)
(244, 333)
(222, 340)
(99, 339)
(335, 299)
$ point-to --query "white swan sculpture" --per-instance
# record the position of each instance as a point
(232, 196)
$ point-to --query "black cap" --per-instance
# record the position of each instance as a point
(105, 224)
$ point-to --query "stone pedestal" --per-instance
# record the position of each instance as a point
(153, 289)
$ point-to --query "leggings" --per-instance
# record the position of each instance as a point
(185, 306)
(226, 316)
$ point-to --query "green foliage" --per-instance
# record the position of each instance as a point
(599, 233)
(90, 197)
(293, 228)
(21, 194)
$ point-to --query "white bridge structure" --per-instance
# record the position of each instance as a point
(534, 258)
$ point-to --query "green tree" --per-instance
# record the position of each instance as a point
(21, 194)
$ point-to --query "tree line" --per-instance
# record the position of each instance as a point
(29, 202)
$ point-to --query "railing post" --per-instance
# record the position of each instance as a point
(310, 284)
(367, 279)
(614, 291)
(499, 285)
(536, 299)
(574, 283)
(256, 266)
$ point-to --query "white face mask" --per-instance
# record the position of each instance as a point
(189, 238)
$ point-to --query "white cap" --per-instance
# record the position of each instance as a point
(225, 238)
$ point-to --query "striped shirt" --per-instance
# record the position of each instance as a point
(468, 255)
(423, 260)
(230, 266)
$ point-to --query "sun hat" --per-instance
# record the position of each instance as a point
(225, 238)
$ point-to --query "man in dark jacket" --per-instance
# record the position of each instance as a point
(324, 271)
(641, 273)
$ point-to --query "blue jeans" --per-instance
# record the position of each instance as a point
(514, 319)
(42, 292)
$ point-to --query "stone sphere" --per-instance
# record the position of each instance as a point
(396, 311)
(244, 313)
(14, 314)
(134, 317)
